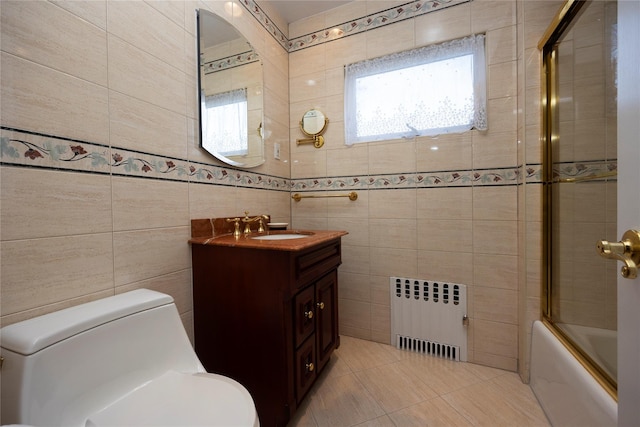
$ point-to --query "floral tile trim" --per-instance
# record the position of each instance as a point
(208, 174)
(585, 170)
(485, 177)
(132, 163)
(238, 60)
(532, 173)
(28, 149)
(265, 21)
(491, 177)
(374, 20)
(330, 183)
(395, 181)
(36, 150)
(369, 22)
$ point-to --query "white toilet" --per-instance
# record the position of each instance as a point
(122, 360)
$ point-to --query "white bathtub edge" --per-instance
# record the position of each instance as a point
(568, 394)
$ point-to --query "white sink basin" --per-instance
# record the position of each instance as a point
(280, 236)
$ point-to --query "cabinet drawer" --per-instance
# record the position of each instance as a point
(305, 363)
(304, 316)
(314, 264)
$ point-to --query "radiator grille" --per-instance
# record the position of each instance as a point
(427, 317)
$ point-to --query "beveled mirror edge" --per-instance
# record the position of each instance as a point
(217, 155)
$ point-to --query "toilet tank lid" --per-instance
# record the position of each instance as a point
(32, 335)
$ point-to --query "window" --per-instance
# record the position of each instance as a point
(226, 122)
(426, 91)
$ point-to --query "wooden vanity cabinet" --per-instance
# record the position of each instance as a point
(267, 318)
(316, 325)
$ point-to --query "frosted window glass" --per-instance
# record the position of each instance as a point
(427, 91)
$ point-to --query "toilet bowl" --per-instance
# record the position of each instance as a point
(122, 360)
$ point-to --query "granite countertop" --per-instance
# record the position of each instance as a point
(315, 237)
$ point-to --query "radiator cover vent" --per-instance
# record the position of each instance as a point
(428, 317)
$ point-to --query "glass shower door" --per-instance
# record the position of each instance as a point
(582, 188)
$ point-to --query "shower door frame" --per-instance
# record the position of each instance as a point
(550, 118)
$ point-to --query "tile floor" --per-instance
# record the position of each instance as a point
(372, 384)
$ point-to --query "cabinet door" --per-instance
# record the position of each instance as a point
(305, 367)
(326, 317)
(304, 317)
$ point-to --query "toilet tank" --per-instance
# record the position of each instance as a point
(63, 366)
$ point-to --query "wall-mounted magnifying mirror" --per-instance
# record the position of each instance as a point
(230, 83)
(313, 124)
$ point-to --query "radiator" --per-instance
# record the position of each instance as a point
(429, 317)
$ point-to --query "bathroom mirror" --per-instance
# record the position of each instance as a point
(313, 124)
(230, 84)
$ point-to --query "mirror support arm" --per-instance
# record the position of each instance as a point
(317, 141)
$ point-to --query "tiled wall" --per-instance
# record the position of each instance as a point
(451, 214)
(533, 19)
(104, 96)
(101, 169)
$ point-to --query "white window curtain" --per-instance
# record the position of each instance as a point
(426, 91)
(226, 122)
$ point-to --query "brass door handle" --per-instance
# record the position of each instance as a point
(308, 314)
(320, 305)
(626, 250)
(309, 366)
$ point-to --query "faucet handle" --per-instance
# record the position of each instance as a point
(236, 231)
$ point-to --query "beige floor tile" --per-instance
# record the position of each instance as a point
(520, 397)
(393, 388)
(443, 376)
(492, 404)
(336, 367)
(304, 416)
(342, 401)
(434, 412)
(361, 354)
(368, 384)
(383, 421)
(483, 372)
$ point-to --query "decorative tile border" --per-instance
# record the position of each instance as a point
(37, 150)
(369, 22)
(30, 149)
(467, 178)
(143, 165)
(266, 22)
(532, 173)
(582, 170)
(234, 61)
(356, 26)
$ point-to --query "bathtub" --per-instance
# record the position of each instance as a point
(567, 392)
(600, 344)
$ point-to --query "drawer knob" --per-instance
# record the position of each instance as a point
(320, 305)
(308, 314)
(309, 367)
